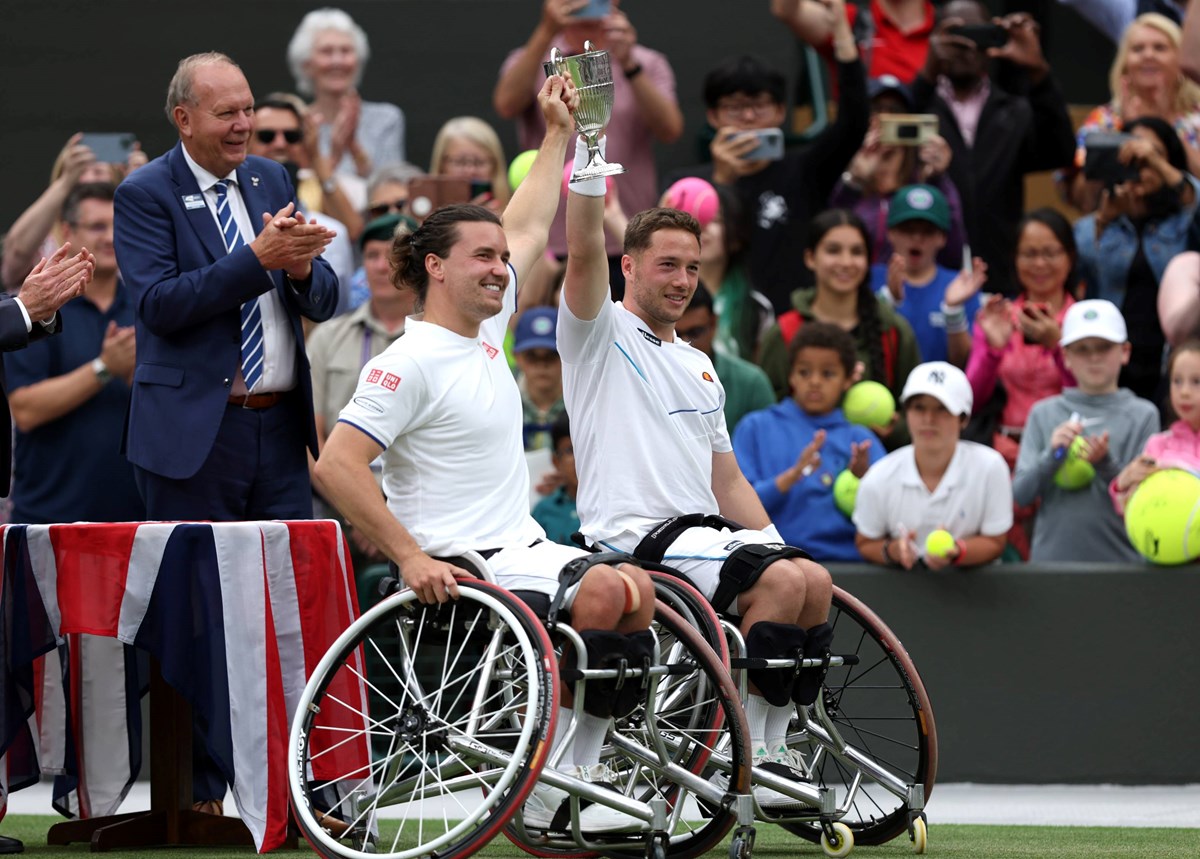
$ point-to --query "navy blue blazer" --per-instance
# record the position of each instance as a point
(187, 292)
(13, 336)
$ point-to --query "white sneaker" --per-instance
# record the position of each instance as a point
(785, 763)
(548, 808)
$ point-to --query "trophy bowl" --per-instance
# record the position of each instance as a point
(591, 72)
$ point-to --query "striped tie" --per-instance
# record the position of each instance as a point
(252, 330)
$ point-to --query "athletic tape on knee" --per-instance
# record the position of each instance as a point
(770, 640)
(587, 187)
(633, 596)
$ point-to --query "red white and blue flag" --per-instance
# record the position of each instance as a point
(237, 614)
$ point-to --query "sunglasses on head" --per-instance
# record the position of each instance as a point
(381, 209)
(267, 135)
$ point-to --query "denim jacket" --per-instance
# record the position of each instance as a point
(1104, 264)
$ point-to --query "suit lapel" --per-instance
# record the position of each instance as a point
(193, 205)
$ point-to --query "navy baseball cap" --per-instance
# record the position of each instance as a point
(535, 330)
(889, 83)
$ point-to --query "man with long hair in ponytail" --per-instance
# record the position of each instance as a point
(657, 474)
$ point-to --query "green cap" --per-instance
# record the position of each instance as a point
(919, 203)
(383, 228)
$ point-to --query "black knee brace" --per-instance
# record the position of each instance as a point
(816, 646)
(770, 640)
(616, 696)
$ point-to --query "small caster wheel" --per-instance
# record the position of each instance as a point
(742, 845)
(656, 847)
(918, 834)
(840, 843)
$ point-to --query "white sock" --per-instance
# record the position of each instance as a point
(565, 716)
(588, 187)
(589, 739)
(778, 719)
(757, 709)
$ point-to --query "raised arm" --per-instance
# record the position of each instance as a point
(653, 92)
(585, 287)
(511, 95)
(530, 212)
(1179, 298)
(808, 19)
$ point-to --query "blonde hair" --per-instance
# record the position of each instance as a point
(1187, 96)
(473, 130)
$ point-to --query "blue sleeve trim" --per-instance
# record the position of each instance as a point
(365, 432)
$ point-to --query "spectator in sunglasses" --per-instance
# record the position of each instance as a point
(387, 194)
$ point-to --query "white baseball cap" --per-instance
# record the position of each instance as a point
(1094, 317)
(944, 382)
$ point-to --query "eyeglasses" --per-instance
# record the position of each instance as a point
(1047, 254)
(693, 332)
(735, 108)
(381, 209)
(96, 228)
(268, 135)
(467, 162)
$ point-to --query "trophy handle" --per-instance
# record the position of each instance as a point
(555, 65)
(588, 47)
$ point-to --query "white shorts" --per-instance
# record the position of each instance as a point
(535, 568)
(700, 552)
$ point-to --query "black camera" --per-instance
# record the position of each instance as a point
(1102, 160)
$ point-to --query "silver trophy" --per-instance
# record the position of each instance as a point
(592, 75)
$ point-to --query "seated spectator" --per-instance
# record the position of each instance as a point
(837, 254)
(1179, 446)
(1144, 80)
(645, 110)
(878, 170)
(539, 374)
(747, 388)
(1016, 359)
(997, 137)
(1179, 298)
(742, 94)
(937, 302)
(466, 147)
(36, 233)
(793, 452)
(279, 134)
(326, 56)
(893, 38)
(1079, 523)
(1124, 246)
(556, 512)
(387, 194)
(939, 482)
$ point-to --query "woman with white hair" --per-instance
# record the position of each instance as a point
(466, 147)
(326, 55)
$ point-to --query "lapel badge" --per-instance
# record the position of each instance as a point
(254, 181)
(193, 201)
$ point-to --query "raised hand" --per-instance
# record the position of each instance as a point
(995, 319)
(55, 281)
(859, 463)
(966, 283)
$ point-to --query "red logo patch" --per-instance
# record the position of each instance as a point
(374, 376)
(492, 351)
(390, 381)
(706, 377)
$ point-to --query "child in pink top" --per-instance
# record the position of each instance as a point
(1179, 446)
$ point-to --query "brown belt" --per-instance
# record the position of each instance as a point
(256, 401)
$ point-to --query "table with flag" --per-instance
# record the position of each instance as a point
(237, 616)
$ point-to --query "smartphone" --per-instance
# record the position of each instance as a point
(1028, 310)
(907, 129)
(478, 187)
(432, 192)
(110, 147)
(1101, 159)
(770, 145)
(983, 35)
(594, 9)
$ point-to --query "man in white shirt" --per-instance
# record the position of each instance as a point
(443, 408)
(652, 451)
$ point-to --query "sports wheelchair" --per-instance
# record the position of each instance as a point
(459, 715)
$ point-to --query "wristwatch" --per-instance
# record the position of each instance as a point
(101, 371)
(329, 185)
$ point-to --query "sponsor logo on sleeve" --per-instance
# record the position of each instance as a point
(390, 381)
(368, 404)
(650, 338)
(374, 376)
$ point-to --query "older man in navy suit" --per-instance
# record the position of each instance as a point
(221, 266)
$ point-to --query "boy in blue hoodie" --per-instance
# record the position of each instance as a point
(793, 452)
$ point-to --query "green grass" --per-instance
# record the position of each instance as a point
(945, 842)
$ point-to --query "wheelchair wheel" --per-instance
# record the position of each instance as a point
(882, 710)
(680, 595)
(459, 719)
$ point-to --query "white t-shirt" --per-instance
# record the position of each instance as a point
(973, 497)
(646, 418)
(447, 411)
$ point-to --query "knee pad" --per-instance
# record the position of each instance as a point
(616, 696)
(816, 646)
(770, 640)
(744, 566)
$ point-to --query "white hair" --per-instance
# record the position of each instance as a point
(300, 48)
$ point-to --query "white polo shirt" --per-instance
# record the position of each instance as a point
(973, 497)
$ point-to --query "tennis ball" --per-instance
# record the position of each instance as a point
(869, 404)
(519, 167)
(940, 543)
(1075, 472)
(845, 492)
(694, 196)
(1162, 518)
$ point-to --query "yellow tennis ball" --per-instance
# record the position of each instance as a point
(519, 167)
(940, 544)
(1162, 518)
(1075, 472)
(845, 492)
(869, 404)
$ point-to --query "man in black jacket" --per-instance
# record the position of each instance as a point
(997, 136)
